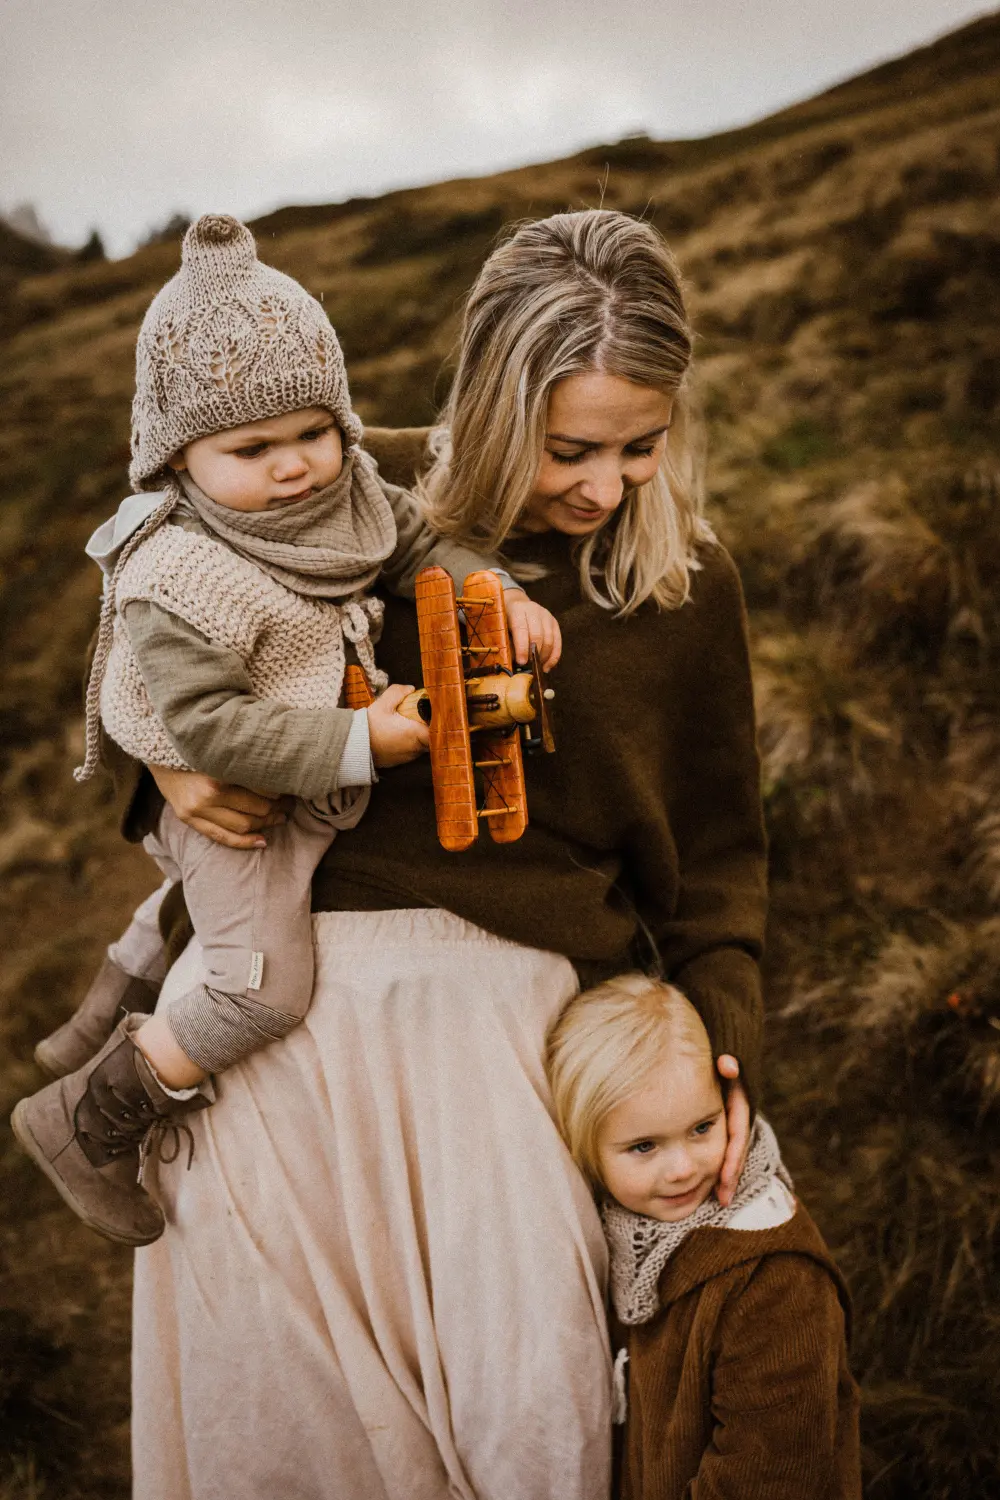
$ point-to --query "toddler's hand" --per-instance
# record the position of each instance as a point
(394, 739)
(531, 625)
(738, 1126)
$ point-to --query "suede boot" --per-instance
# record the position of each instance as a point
(91, 1132)
(112, 993)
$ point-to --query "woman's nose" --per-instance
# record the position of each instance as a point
(604, 487)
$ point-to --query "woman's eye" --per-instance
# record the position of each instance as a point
(567, 458)
(641, 452)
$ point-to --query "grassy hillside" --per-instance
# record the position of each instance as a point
(843, 260)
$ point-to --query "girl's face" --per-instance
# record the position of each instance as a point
(604, 436)
(660, 1151)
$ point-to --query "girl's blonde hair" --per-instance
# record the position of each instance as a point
(590, 291)
(604, 1047)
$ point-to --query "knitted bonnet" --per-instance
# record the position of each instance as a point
(227, 341)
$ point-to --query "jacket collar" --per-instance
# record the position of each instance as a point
(710, 1252)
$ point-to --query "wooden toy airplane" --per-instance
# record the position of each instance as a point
(471, 688)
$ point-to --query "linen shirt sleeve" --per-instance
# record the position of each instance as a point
(418, 547)
(775, 1387)
(206, 702)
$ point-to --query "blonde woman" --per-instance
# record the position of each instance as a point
(383, 1276)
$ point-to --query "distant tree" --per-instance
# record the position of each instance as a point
(24, 218)
(93, 249)
(174, 229)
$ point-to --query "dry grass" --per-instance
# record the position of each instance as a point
(841, 259)
(896, 1131)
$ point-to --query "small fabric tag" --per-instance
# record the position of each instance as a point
(619, 1397)
(256, 971)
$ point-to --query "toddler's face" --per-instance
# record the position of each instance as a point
(267, 464)
(660, 1151)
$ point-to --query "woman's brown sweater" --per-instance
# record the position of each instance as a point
(739, 1388)
(645, 825)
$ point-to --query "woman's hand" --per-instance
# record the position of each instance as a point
(738, 1126)
(394, 739)
(228, 815)
(531, 625)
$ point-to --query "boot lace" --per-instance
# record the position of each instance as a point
(137, 1124)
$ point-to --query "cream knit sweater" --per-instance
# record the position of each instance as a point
(292, 646)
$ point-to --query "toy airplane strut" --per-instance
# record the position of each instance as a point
(471, 689)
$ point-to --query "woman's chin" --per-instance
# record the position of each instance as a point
(577, 523)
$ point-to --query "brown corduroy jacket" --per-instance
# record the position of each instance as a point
(646, 825)
(739, 1388)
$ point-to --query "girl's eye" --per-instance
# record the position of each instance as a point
(252, 452)
(567, 458)
(314, 433)
(641, 452)
(642, 1148)
(703, 1128)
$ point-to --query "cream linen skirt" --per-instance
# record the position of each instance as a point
(382, 1277)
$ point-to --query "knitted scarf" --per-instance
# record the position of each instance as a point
(640, 1247)
(329, 546)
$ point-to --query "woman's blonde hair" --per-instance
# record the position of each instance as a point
(589, 291)
(604, 1047)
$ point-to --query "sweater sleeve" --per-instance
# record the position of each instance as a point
(218, 724)
(712, 944)
(776, 1386)
(418, 547)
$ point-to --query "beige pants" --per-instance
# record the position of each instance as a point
(382, 1278)
(251, 912)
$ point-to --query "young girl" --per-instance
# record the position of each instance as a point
(236, 589)
(732, 1321)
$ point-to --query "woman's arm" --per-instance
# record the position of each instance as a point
(723, 864)
(714, 944)
(710, 943)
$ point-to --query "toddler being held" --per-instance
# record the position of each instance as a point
(237, 593)
(730, 1323)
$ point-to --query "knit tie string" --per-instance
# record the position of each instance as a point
(357, 617)
(105, 635)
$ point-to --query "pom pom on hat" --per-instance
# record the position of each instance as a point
(216, 229)
(218, 251)
(227, 341)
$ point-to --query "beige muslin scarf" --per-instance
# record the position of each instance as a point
(326, 547)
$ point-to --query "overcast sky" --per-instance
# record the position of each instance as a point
(116, 114)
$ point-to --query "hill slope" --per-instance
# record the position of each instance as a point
(843, 260)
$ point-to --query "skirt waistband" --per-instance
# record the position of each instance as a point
(409, 926)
